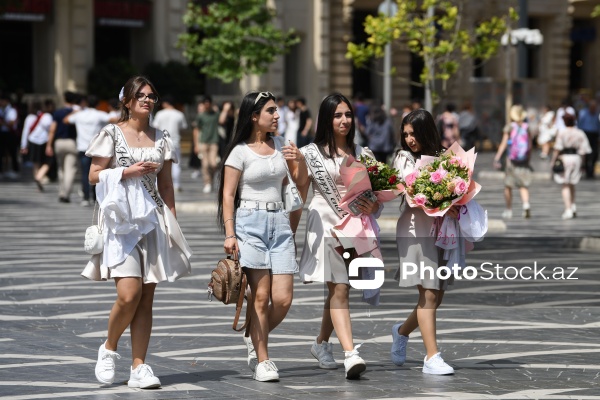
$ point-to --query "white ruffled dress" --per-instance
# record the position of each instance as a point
(152, 246)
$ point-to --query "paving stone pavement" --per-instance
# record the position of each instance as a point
(507, 338)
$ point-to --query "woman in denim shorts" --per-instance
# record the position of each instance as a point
(257, 228)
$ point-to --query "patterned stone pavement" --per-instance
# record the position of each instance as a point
(507, 338)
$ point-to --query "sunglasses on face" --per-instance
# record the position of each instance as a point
(261, 95)
(151, 97)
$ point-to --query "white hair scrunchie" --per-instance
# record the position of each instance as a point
(121, 95)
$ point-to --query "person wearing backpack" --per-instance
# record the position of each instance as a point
(517, 143)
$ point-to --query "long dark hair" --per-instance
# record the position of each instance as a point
(324, 134)
(241, 132)
(425, 132)
(132, 86)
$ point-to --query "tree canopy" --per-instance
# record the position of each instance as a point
(439, 37)
(232, 38)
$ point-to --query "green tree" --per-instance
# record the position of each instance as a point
(596, 11)
(232, 38)
(431, 29)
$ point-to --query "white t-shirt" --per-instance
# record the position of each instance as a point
(39, 135)
(88, 123)
(172, 121)
(262, 176)
(10, 115)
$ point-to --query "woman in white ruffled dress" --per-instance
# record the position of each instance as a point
(143, 244)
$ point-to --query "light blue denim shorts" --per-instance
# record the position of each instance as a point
(265, 240)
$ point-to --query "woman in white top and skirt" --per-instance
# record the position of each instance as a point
(143, 244)
(257, 227)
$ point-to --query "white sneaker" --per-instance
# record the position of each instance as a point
(354, 364)
(105, 366)
(195, 174)
(574, 210)
(85, 203)
(324, 353)
(507, 214)
(266, 371)
(568, 214)
(207, 188)
(252, 360)
(436, 366)
(142, 377)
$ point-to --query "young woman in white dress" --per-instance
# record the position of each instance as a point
(416, 245)
(321, 259)
(131, 166)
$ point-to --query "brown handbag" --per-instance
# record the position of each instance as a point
(228, 285)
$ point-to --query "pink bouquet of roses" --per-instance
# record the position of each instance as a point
(437, 183)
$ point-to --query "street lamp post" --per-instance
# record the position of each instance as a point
(389, 8)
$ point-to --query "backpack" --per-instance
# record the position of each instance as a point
(228, 285)
(518, 143)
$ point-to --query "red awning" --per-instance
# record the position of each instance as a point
(25, 10)
(129, 13)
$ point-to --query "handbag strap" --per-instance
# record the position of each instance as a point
(278, 147)
(240, 305)
(100, 220)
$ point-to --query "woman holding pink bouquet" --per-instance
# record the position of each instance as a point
(321, 259)
(417, 246)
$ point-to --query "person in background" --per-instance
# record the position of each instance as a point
(517, 141)
(226, 125)
(292, 119)
(305, 122)
(131, 164)
(206, 141)
(9, 138)
(380, 134)
(88, 122)
(467, 126)
(571, 146)
(173, 121)
(361, 111)
(62, 144)
(256, 225)
(35, 139)
(113, 110)
(589, 122)
(547, 130)
(282, 110)
(448, 126)
(565, 108)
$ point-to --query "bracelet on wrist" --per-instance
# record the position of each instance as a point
(228, 219)
(230, 237)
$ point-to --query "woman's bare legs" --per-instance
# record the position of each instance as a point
(336, 315)
(129, 294)
(141, 325)
(282, 293)
(260, 286)
(423, 317)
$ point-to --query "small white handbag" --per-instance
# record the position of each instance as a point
(94, 237)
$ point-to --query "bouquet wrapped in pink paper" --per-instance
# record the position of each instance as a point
(437, 183)
(366, 173)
